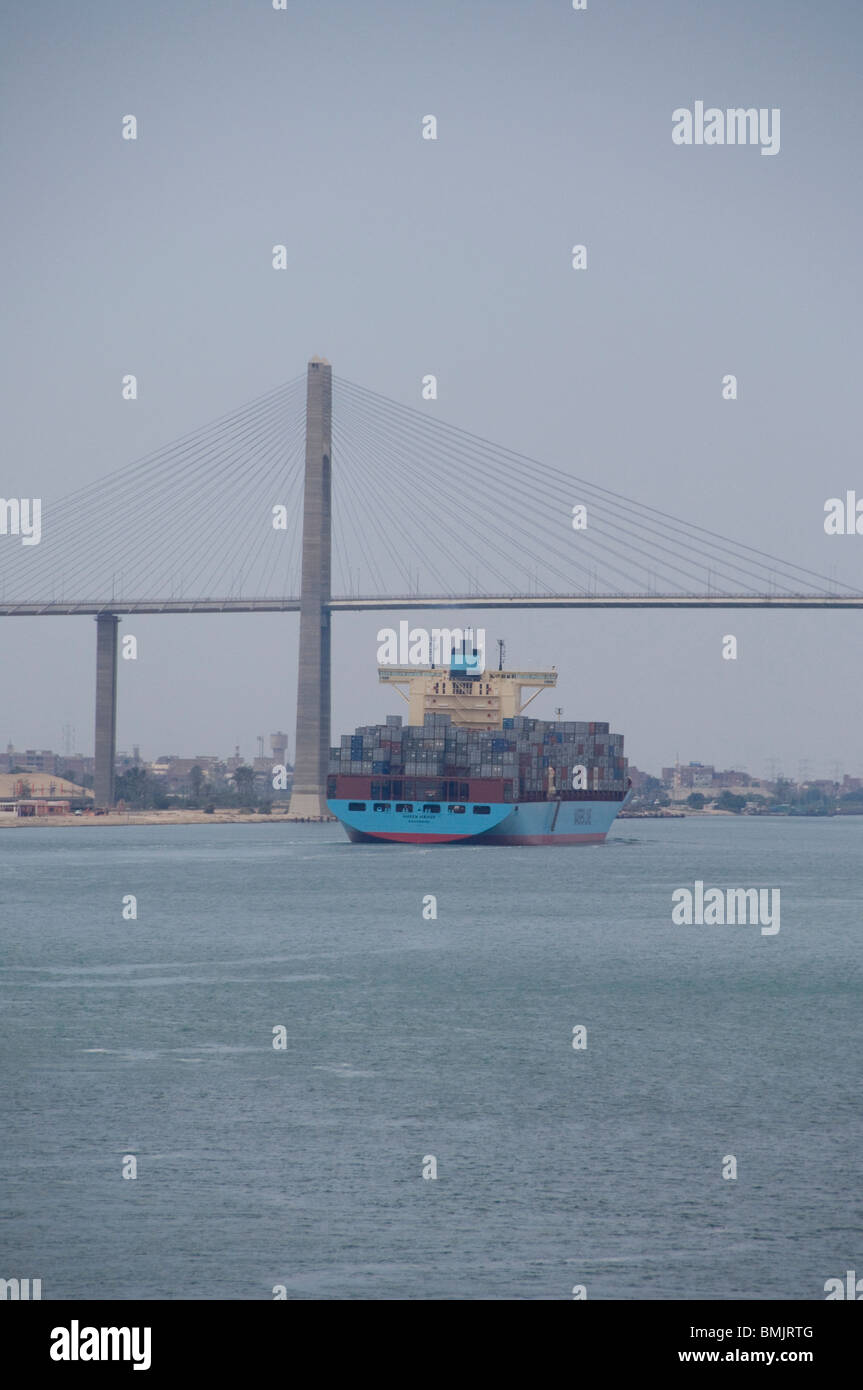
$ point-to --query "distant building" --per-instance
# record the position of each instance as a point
(263, 770)
(29, 759)
(176, 773)
(17, 787)
(42, 808)
(732, 779)
(236, 761)
(76, 767)
(692, 776)
(638, 778)
(40, 760)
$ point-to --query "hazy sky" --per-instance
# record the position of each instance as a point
(408, 256)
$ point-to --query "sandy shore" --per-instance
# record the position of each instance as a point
(226, 817)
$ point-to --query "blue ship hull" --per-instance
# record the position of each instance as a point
(523, 823)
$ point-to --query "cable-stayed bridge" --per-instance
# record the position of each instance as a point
(286, 505)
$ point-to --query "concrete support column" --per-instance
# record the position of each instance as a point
(106, 707)
(308, 796)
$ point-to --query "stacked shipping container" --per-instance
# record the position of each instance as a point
(526, 760)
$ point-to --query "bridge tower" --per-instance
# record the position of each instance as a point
(308, 797)
(106, 709)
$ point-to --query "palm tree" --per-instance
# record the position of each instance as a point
(196, 781)
(244, 781)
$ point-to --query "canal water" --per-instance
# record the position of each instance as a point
(409, 1043)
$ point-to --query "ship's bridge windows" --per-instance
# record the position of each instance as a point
(456, 810)
(382, 806)
(430, 806)
(405, 806)
(356, 805)
(482, 810)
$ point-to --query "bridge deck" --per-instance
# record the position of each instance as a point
(70, 608)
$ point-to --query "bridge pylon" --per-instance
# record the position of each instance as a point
(106, 709)
(308, 797)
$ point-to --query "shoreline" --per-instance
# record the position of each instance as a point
(230, 817)
(117, 818)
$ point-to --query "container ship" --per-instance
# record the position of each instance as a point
(470, 768)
